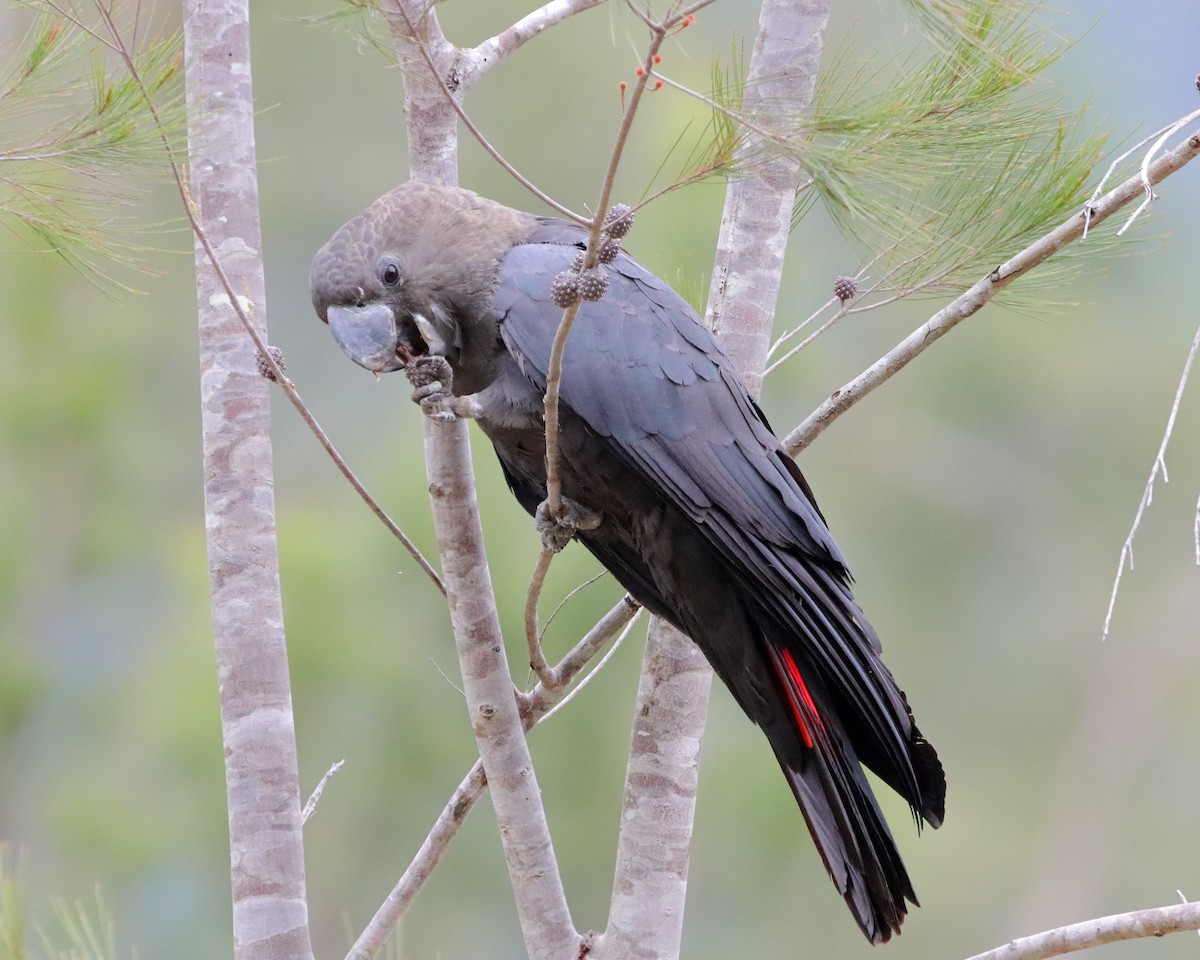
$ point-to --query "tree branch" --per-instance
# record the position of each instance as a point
(535, 706)
(479, 60)
(1155, 922)
(487, 682)
(978, 295)
(406, 30)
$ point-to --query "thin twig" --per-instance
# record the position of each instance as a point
(600, 665)
(310, 807)
(470, 124)
(837, 315)
(1196, 532)
(239, 305)
(1145, 166)
(1159, 466)
(967, 303)
(537, 659)
(1155, 922)
(538, 701)
(551, 411)
(550, 401)
(1109, 172)
(658, 34)
(570, 595)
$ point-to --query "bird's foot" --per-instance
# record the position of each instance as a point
(432, 377)
(557, 531)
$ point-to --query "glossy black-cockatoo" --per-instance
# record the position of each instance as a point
(678, 487)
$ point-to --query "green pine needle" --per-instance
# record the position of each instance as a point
(79, 138)
(961, 159)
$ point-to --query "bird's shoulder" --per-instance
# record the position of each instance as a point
(644, 372)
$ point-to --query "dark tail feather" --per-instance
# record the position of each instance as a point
(843, 817)
(855, 843)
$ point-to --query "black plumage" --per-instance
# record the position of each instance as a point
(703, 517)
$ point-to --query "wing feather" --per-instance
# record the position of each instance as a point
(640, 369)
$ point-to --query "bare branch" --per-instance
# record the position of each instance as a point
(479, 60)
(982, 292)
(542, 698)
(487, 682)
(1169, 132)
(1159, 466)
(658, 808)
(310, 807)
(550, 406)
(404, 26)
(600, 665)
(386, 918)
(1196, 531)
(242, 306)
(1155, 922)
(535, 707)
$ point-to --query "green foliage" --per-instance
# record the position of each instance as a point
(87, 932)
(81, 132)
(716, 148)
(954, 161)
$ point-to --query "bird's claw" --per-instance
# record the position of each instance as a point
(432, 377)
(557, 531)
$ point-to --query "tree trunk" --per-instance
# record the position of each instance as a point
(270, 912)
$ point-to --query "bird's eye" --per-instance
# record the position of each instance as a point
(388, 270)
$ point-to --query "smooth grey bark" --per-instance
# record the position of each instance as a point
(757, 222)
(645, 920)
(270, 913)
(649, 890)
(487, 682)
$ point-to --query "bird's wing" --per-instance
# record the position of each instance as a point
(642, 371)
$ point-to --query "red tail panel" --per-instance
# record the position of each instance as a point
(808, 719)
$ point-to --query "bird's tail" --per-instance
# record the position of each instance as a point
(823, 768)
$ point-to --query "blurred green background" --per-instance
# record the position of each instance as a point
(982, 498)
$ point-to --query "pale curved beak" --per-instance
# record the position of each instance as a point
(367, 335)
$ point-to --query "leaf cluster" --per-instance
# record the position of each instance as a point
(960, 158)
(79, 132)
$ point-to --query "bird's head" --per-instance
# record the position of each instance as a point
(413, 273)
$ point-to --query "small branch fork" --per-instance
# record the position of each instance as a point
(477, 62)
(1158, 467)
(535, 706)
(982, 292)
(1160, 137)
